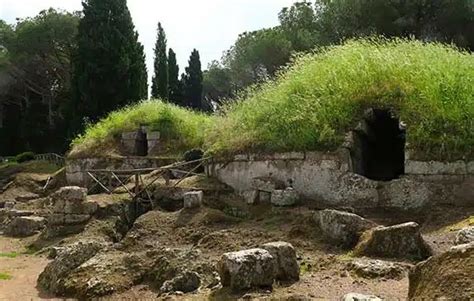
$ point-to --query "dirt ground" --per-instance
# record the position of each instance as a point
(23, 268)
(324, 273)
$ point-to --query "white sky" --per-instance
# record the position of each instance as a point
(211, 26)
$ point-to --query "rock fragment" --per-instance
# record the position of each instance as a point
(247, 269)
(342, 227)
(285, 255)
(399, 241)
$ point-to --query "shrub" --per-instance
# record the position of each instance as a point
(25, 157)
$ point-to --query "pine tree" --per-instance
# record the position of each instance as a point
(192, 82)
(159, 87)
(109, 66)
(174, 89)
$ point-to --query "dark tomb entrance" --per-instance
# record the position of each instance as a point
(141, 144)
(379, 147)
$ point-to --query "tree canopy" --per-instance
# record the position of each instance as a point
(35, 81)
(159, 88)
(109, 65)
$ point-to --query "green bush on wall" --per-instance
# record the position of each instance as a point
(25, 157)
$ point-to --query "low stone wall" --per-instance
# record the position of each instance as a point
(328, 180)
(76, 169)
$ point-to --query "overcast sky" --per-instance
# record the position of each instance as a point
(211, 26)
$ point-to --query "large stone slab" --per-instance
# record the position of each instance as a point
(342, 227)
(447, 276)
(399, 241)
(247, 269)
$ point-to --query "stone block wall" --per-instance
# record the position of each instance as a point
(328, 179)
(76, 169)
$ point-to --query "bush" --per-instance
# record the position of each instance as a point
(323, 95)
(25, 157)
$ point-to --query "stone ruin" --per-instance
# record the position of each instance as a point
(372, 170)
(142, 142)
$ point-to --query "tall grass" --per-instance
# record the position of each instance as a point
(313, 104)
(180, 127)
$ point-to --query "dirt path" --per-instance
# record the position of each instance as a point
(22, 269)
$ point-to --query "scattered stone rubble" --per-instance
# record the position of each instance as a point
(399, 241)
(342, 227)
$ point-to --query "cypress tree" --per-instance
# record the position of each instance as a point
(109, 66)
(192, 82)
(159, 88)
(174, 88)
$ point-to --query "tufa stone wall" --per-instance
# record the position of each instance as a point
(76, 169)
(328, 179)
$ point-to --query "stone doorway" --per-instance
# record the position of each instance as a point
(379, 146)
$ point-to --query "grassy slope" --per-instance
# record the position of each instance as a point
(322, 96)
(182, 128)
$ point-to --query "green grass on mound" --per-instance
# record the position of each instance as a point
(322, 96)
(182, 128)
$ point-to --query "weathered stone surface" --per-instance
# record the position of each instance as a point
(185, 282)
(266, 184)
(247, 269)
(250, 196)
(71, 193)
(9, 205)
(79, 207)
(399, 241)
(285, 255)
(193, 199)
(264, 197)
(342, 227)
(107, 273)
(67, 259)
(360, 297)
(435, 167)
(285, 197)
(24, 226)
(447, 276)
(465, 236)
(369, 268)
